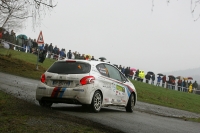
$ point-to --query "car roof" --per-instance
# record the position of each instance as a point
(92, 62)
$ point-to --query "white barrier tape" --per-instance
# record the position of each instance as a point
(11, 43)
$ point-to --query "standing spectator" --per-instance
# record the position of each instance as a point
(12, 39)
(82, 57)
(120, 67)
(46, 47)
(195, 86)
(35, 45)
(87, 57)
(153, 79)
(136, 74)
(92, 58)
(141, 75)
(126, 72)
(55, 52)
(50, 50)
(173, 83)
(158, 80)
(69, 55)
(1, 33)
(179, 83)
(163, 80)
(147, 77)
(190, 88)
(131, 74)
(184, 85)
(42, 56)
(123, 70)
(78, 56)
(29, 45)
(62, 54)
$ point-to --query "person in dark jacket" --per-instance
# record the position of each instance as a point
(69, 55)
(147, 77)
(136, 75)
(50, 50)
(152, 79)
(92, 58)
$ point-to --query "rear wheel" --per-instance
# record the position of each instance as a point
(96, 102)
(45, 103)
(130, 105)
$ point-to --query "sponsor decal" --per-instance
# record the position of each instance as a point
(120, 88)
(124, 101)
(118, 100)
(58, 92)
(106, 99)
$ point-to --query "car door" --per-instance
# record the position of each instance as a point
(104, 83)
(119, 89)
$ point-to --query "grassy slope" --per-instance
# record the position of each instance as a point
(18, 116)
(165, 97)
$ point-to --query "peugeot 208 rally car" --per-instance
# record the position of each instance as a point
(90, 83)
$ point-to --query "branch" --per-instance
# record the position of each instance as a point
(21, 17)
(39, 2)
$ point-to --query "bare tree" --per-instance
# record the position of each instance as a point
(14, 12)
(194, 6)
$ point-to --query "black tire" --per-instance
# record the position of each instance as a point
(45, 103)
(96, 102)
(130, 104)
(85, 107)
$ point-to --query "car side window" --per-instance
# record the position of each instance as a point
(123, 78)
(113, 72)
(102, 69)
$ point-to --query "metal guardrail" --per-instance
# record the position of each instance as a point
(169, 86)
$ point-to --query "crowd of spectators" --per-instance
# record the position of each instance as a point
(29, 45)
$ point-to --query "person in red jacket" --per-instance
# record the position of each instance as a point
(1, 35)
(163, 80)
(131, 74)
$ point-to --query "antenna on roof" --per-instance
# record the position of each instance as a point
(102, 59)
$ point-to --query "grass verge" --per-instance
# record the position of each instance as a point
(17, 116)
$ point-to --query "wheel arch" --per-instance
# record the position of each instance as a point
(92, 94)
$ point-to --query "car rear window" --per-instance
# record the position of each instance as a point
(70, 68)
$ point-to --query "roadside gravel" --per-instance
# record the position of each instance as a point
(164, 111)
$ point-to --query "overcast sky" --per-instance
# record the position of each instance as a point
(126, 32)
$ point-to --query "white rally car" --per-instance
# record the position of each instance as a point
(92, 83)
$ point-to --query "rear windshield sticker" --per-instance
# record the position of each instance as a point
(103, 70)
(79, 66)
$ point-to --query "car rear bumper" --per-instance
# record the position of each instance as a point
(77, 95)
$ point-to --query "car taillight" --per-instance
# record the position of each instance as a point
(87, 80)
(43, 79)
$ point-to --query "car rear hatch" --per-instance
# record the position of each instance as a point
(67, 73)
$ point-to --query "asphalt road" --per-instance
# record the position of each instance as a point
(136, 122)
